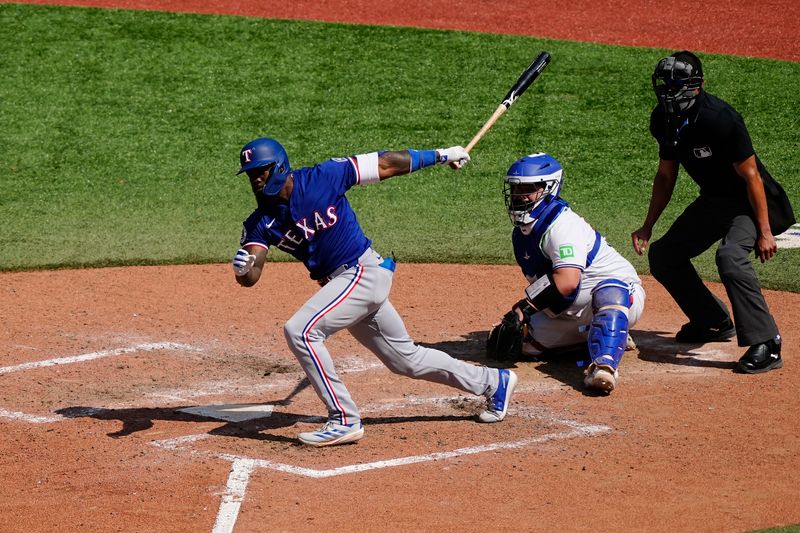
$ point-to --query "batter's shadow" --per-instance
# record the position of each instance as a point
(262, 429)
(137, 419)
(661, 347)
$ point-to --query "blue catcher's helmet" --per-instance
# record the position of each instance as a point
(530, 173)
(266, 152)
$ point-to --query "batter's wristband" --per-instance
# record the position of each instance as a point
(421, 158)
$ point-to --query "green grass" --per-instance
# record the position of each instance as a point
(121, 130)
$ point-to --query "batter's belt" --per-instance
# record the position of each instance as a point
(369, 256)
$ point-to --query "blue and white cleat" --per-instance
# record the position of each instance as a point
(497, 404)
(332, 433)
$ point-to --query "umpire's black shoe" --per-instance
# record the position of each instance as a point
(697, 333)
(762, 357)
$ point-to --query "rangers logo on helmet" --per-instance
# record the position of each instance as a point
(266, 152)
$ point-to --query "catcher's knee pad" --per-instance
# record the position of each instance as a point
(608, 333)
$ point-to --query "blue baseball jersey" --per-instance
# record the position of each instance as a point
(318, 226)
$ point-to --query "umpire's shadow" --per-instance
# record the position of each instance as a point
(661, 347)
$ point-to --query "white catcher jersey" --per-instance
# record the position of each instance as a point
(569, 242)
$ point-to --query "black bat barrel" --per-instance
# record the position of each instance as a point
(527, 77)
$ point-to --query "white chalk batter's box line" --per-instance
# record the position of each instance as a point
(352, 365)
(144, 347)
(70, 359)
(345, 366)
(348, 366)
(573, 430)
(242, 467)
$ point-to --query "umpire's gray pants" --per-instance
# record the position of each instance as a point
(704, 222)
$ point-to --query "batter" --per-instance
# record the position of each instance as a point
(305, 213)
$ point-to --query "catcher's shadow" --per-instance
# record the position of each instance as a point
(471, 347)
(565, 365)
(652, 346)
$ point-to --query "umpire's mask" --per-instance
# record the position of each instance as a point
(676, 81)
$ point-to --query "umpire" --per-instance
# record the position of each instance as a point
(739, 203)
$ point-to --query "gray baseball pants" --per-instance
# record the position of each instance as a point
(357, 300)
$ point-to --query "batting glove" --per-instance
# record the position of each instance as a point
(242, 262)
(455, 156)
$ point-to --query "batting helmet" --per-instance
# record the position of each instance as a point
(266, 152)
(676, 81)
(540, 169)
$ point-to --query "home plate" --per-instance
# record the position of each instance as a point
(231, 412)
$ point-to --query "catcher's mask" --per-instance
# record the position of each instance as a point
(266, 152)
(676, 81)
(524, 179)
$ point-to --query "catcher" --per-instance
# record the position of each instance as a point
(581, 291)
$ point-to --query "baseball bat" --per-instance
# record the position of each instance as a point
(524, 81)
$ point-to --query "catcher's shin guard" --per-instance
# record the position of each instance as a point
(608, 334)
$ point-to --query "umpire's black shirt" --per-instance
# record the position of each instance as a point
(711, 138)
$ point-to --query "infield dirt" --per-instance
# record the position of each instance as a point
(684, 444)
(687, 444)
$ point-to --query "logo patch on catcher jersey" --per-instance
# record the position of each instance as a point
(566, 251)
(702, 152)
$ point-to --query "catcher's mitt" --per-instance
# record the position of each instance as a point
(505, 339)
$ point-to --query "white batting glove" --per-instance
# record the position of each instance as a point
(455, 156)
(242, 262)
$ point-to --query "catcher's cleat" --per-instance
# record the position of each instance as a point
(698, 333)
(601, 377)
(761, 357)
(630, 344)
(332, 433)
(497, 403)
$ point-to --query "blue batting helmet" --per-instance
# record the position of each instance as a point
(535, 169)
(266, 152)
